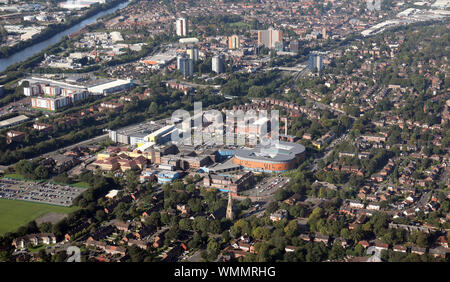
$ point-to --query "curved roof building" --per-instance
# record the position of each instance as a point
(278, 158)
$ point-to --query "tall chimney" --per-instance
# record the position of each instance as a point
(285, 126)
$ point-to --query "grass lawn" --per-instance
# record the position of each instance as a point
(239, 24)
(81, 185)
(37, 248)
(14, 176)
(14, 214)
(20, 177)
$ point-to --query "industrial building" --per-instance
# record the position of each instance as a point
(13, 121)
(190, 40)
(158, 134)
(138, 135)
(161, 59)
(111, 87)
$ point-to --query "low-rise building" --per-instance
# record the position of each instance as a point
(34, 239)
(231, 182)
(14, 136)
(167, 176)
(278, 215)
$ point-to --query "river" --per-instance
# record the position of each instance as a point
(38, 47)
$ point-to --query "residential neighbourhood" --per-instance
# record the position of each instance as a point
(226, 131)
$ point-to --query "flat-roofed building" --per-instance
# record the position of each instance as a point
(278, 158)
(13, 121)
(165, 176)
(111, 87)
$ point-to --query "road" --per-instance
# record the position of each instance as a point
(22, 103)
(82, 143)
(330, 149)
(424, 199)
(262, 194)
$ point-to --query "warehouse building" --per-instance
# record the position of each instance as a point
(13, 121)
(111, 87)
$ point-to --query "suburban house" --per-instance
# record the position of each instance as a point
(34, 239)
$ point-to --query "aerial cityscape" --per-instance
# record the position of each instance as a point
(224, 131)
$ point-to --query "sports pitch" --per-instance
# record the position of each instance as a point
(14, 214)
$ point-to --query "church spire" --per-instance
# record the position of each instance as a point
(230, 214)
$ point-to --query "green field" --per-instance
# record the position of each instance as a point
(81, 185)
(14, 214)
(15, 176)
(239, 24)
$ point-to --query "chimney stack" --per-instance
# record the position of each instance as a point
(285, 126)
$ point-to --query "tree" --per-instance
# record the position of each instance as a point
(200, 224)
(136, 254)
(281, 194)
(41, 172)
(185, 224)
(245, 204)
(60, 257)
(165, 218)
(121, 211)
(42, 254)
(154, 219)
(62, 178)
(153, 109)
(132, 180)
(189, 179)
(190, 188)
(336, 252)
(214, 227)
(25, 168)
(225, 236)
(291, 228)
(100, 215)
(195, 204)
(258, 233)
(173, 233)
(213, 248)
(240, 227)
(45, 227)
(271, 207)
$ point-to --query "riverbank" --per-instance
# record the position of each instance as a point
(51, 30)
(15, 66)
